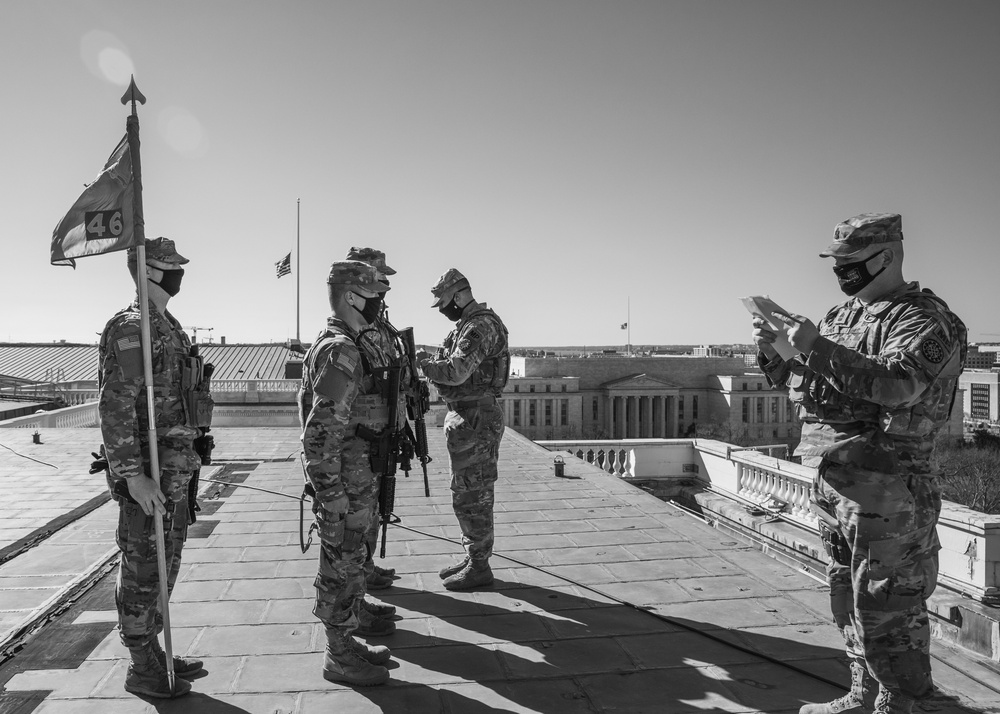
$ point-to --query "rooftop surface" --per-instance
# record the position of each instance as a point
(711, 624)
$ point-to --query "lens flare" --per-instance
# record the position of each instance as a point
(106, 57)
(182, 132)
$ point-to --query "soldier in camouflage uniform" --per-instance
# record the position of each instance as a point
(383, 334)
(124, 427)
(340, 391)
(470, 371)
(873, 385)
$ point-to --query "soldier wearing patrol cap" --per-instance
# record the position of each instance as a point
(873, 385)
(374, 615)
(124, 428)
(339, 392)
(470, 371)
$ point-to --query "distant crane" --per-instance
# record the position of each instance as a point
(194, 332)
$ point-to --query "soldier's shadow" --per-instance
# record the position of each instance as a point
(551, 651)
(194, 703)
(561, 652)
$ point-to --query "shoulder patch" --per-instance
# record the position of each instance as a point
(932, 350)
(346, 362)
(129, 342)
(337, 367)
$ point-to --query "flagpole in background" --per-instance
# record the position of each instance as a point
(628, 323)
(132, 94)
(298, 271)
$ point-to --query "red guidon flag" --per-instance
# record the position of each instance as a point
(101, 220)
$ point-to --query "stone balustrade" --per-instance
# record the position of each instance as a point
(81, 415)
(228, 386)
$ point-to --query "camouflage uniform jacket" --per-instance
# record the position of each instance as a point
(475, 360)
(122, 406)
(879, 382)
(338, 392)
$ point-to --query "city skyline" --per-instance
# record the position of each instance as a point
(585, 164)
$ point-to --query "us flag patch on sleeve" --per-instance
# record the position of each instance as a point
(346, 362)
(129, 342)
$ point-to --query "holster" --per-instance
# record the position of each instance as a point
(119, 492)
(835, 544)
(137, 518)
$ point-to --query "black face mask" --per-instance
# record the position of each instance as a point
(373, 306)
(170, 283)
(855, 277)
(452, 311)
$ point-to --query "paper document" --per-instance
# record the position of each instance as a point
(762, 306)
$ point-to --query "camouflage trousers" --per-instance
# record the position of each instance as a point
(137, 591)
(473, 437)
(372, 536)
(879, 601)
(340, 581)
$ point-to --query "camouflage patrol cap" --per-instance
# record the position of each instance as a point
(857, 233)
(160, 249)
(451, 282)
(354, 272)
(371, 256)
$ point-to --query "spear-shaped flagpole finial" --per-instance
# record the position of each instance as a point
(132, 94)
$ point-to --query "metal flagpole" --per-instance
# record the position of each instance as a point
(132, 94)
(298, 272)
(628, 323)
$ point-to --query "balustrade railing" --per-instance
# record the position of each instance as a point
(632, 458)
(761, 479)
(255, 385)
(81, 415)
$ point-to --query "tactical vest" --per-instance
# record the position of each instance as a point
(817, 401)
(369, 407)
(493, 372)
(186, 366)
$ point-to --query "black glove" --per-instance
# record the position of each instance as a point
(100, 462)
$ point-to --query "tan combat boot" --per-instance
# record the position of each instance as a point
(452, 569)
(183, 666)
(385, 572)
(377, 609)
(379, 654)
(343, 664)
(370, 625)
(890, 703)
(374, 581)
(853, 701)
(475, 574)
(147, 677)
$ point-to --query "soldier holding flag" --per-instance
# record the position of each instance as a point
(124, 425)
(154, 403)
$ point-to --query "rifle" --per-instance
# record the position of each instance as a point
(418, 403)
(385, 449)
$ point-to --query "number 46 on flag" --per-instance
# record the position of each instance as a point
(101, 219)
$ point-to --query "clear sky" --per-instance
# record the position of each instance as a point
(572, 157)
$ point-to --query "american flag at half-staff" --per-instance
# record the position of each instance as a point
(284, 266)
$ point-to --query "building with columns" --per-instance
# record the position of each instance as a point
(640, 398)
